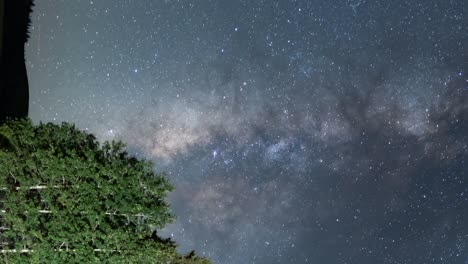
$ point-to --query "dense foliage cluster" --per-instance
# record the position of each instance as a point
(67, 199)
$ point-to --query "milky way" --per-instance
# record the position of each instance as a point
(293, 131)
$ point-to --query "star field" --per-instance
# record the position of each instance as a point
(293, 131)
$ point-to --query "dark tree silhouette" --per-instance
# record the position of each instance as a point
(14, 90)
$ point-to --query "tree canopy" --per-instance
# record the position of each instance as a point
(66, 198)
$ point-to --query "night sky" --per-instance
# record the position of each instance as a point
(293, 131)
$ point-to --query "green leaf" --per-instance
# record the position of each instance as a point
(67, 196)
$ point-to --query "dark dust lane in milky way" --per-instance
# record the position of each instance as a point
(294, 131)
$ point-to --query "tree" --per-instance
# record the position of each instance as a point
(15, 19)
(66, 198)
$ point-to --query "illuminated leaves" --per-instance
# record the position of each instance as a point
(66, 197)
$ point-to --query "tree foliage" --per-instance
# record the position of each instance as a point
(66, 198)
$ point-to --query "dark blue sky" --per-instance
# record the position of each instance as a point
(294, 131)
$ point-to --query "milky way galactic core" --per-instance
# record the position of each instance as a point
(294, 131)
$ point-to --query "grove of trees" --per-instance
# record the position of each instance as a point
(66, 198)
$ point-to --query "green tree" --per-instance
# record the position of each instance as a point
(64, 198)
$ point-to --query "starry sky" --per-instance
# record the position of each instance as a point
(294, 131)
